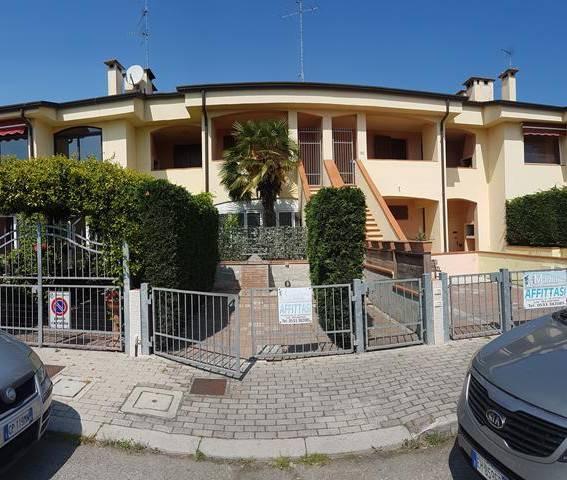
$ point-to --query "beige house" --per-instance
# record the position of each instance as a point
(430, 164)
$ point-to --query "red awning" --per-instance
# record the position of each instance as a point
(545, 130)
(14, 129)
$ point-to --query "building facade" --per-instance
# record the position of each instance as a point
(432, 166)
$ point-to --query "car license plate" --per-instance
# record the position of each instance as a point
(19, 424)
(486, 469)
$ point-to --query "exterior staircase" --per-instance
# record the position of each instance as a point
(373, 233)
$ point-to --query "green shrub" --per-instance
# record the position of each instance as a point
(538, 220)
(335, 247)
(172, 234)
(336, 230)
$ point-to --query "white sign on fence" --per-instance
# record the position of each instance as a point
(59, 310)
(295, 305)
(547, 289)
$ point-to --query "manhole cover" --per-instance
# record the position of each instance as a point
(53, 370)
(157, 402)
(208, 386)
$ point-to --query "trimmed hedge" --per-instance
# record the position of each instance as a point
(173, 235)
(336, 220)
(538, 219)
(178, 237)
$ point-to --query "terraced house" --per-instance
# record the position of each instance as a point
(432, 165)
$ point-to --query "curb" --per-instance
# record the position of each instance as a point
(261, 449)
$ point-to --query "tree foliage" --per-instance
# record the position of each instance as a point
(259, 163)
(163, 224)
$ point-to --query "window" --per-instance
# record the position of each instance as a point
(228, 141)
(390, 148)
(285, 219)
(460, 148)
(13, 140)
(79, 142)
(187, 156)
(400, 212)
(14, 147)
(541, 149)
(253, 219)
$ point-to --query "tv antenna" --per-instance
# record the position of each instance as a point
(509, 52)
(144, 31)
(299, 12)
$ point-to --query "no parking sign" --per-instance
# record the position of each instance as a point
(59, 309)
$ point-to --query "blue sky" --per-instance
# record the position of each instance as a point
(53, 50)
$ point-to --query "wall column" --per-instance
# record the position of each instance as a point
(292, 125)
(327, 137)
(361, 144)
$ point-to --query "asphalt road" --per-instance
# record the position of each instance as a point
(55, 458)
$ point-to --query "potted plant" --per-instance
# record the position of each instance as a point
(420, 244)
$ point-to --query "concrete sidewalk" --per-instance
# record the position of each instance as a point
(330, 405)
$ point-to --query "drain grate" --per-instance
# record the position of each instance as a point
(208, 386)
(53, 370)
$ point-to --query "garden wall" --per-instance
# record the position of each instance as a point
(229, 274)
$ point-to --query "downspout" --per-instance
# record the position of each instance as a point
(30, 133)
(206, 120)
(443, 177)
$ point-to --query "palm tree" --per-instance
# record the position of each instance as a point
(259, 163)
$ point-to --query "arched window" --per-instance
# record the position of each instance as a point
(79, 142)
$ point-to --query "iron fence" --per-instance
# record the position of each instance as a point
(325, 326)
(310, 153)
(197, 328)
(393, 313)
(83, 316)
(474, 305)
(41, 263)
(519, 314)
(343, 153)
(19, 312)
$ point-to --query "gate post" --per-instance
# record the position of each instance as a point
(445, 298)
(145, 319)
(39, 285)
(427, 308)
(359, 290)
(505, 300)
(126, 299)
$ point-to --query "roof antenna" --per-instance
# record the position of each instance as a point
(144, 31)
(299, 12)
(509, 52)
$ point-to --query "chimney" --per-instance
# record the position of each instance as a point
(147, 85)
(115, 77)
(480, 89)
(508, 79)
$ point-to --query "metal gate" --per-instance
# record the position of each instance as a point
(475, 305)
(56, 288)
(199, 329)
(343, 153)
(310, 153)
(393, 313)
(325, 326)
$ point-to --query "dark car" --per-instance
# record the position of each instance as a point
(513, 408)
(25, 398)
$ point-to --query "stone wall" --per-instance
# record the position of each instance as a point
(229, 275)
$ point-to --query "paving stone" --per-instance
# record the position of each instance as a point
(345, 394)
